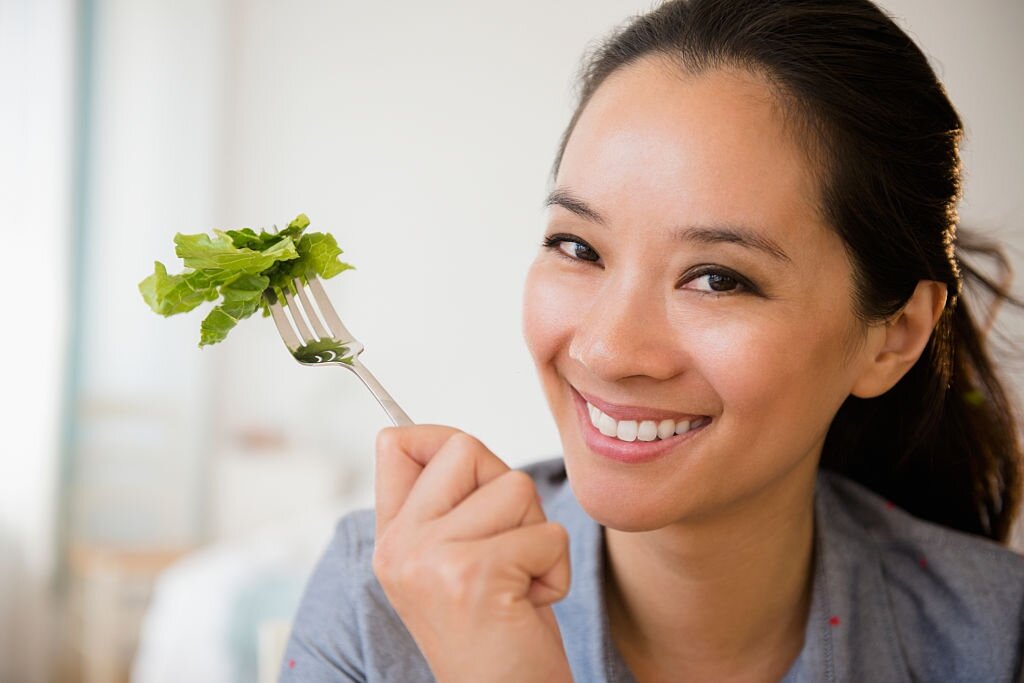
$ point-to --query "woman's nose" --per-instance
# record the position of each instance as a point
(627, 333)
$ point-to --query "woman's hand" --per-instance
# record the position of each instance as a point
(468, 559)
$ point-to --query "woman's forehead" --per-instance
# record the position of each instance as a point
(713, 146)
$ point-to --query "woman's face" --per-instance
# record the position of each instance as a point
(690, 284)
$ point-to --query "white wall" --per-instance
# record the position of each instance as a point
(155, 151)
(36, 43)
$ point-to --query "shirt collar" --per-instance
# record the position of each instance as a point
(850, 621)
(581, 615)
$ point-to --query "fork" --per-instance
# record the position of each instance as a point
(329, 342)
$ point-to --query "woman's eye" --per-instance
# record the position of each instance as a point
(578, 250)
(715, 282)
(572, 247)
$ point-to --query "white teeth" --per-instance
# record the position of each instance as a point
(648, 430)
(607, 425)
(627, 430)
(645, 430)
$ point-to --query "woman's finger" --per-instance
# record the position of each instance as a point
(402, 453)
(459, 467)
(507, 501)
(538, 553)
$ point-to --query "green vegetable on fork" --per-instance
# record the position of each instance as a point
(238, 267)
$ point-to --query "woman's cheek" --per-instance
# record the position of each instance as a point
(552, 304)
(773, 378)
(745, 360)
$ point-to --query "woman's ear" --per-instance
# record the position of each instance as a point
(899, 342)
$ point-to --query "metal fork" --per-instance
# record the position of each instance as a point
(329, 342)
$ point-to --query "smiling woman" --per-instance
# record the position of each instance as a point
(748, 318)
(752, 344)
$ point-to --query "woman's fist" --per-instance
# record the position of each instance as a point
(468, 559)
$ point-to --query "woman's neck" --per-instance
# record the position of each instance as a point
(722, 599)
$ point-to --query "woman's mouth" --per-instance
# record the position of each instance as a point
(641, 430)
(638, 435)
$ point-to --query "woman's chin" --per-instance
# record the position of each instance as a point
(623, 503)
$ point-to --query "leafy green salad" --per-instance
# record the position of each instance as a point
(237, 267)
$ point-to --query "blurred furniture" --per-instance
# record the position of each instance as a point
(110, 588)
(273, 640)
(221, 614)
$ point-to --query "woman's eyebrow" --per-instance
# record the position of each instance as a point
(715, 234)
(733, 234)
(567, 200)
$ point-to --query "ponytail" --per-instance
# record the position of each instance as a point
(944, 442)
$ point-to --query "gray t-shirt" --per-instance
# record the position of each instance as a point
(894, 598)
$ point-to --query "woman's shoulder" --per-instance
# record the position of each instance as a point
(344, 612)
(977, 561)
(951, 600)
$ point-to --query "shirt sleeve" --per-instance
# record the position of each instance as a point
(326, 643)
(1020, 650)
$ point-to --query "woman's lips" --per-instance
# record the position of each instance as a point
(630, 452)
(632, 412)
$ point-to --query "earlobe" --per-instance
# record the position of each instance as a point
(899, 342)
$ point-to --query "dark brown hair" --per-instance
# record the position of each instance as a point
(944, 442)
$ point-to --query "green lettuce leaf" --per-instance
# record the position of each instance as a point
(322, 251)
(246, 238)
(318, 255)
(170, 294)
(202, 253)
(242, 297)
(238, 267)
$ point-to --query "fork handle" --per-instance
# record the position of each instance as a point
(389, 405)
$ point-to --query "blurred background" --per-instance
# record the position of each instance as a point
(161, 506)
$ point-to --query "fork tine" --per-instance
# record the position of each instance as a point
(310, 312)
(330, 315)
(284, 328)
(300, 324)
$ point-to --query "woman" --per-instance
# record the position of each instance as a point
(786, 453)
